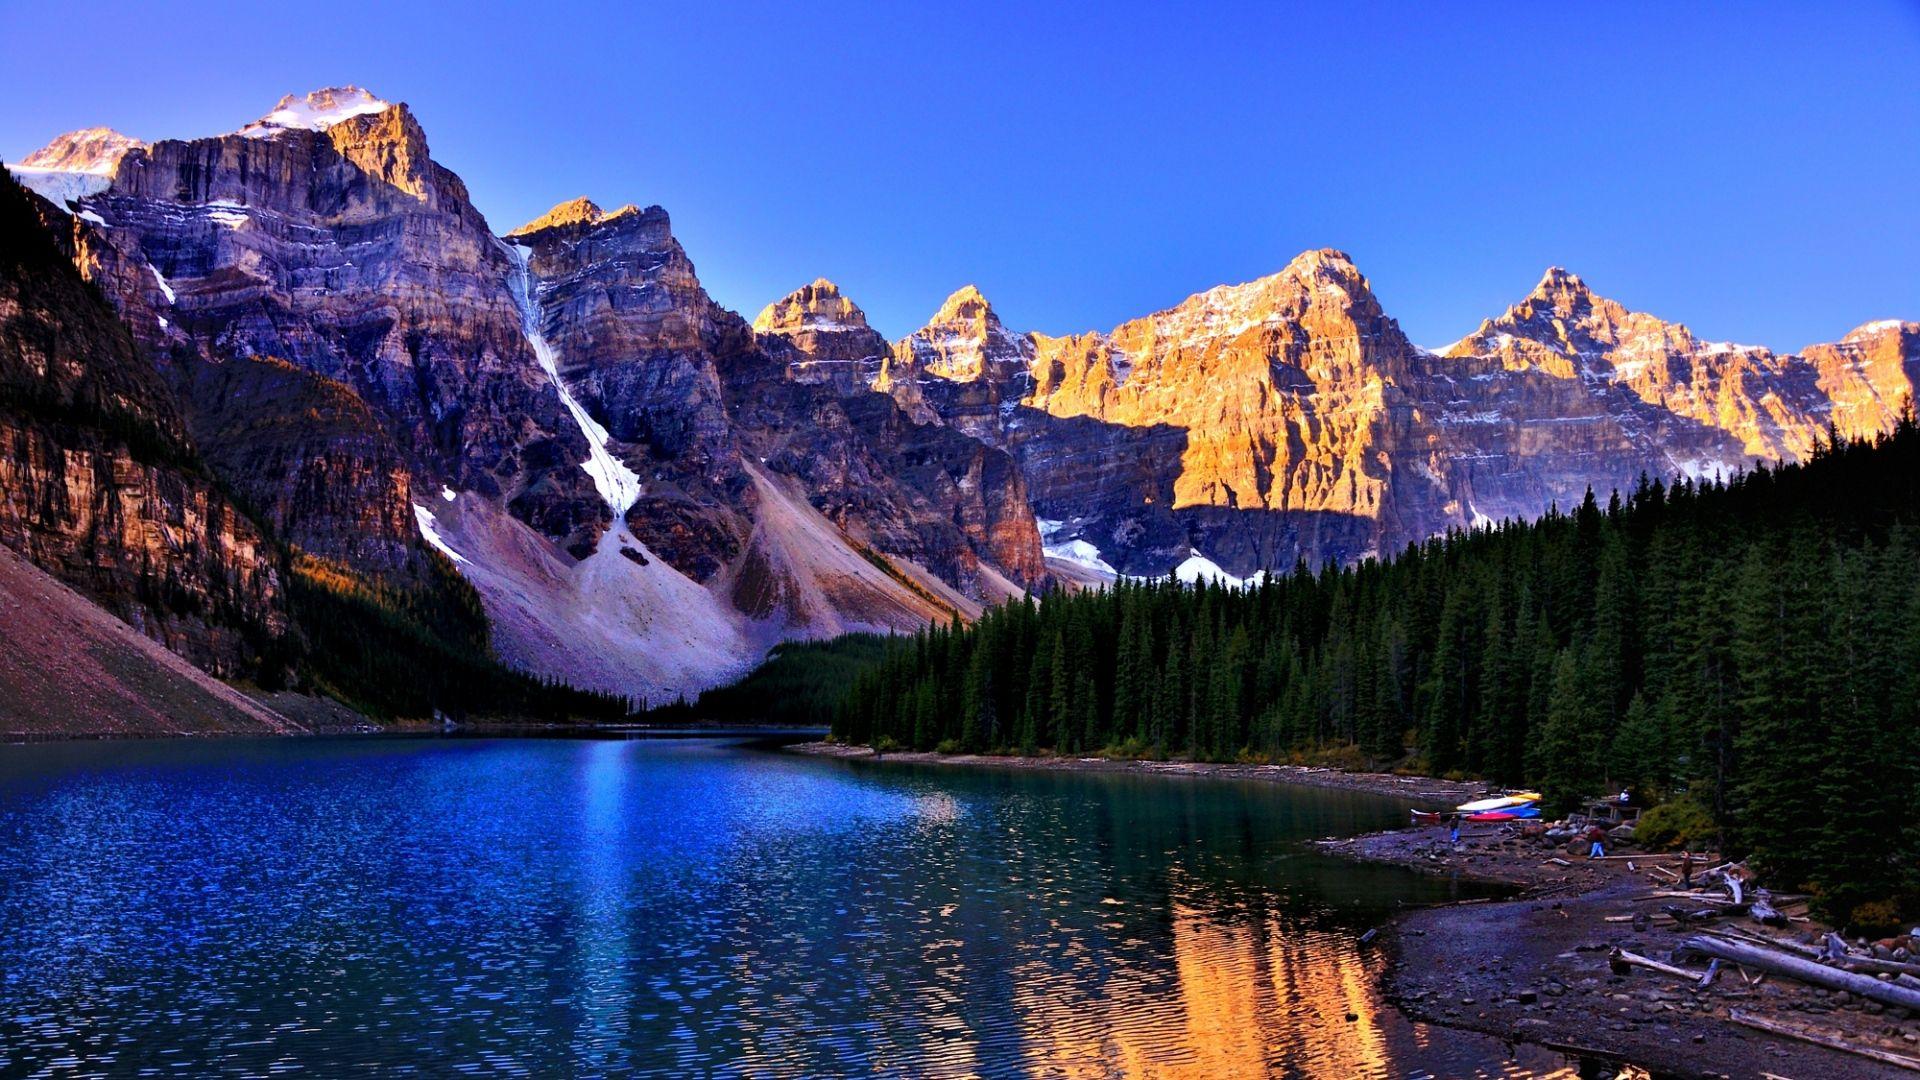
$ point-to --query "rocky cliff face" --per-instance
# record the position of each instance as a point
(829, 333)
(325, 236)
(308, 458)
(99, 481)
(1289, 418)
(374, 371)
(691, 397)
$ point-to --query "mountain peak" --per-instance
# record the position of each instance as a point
(93, 150)
(316, 111)
(1557, 280)
(967, 304)
(1323, 259)
(815, 307)
(576, 211)
(1867, 331)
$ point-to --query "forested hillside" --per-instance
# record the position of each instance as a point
(1756, 643)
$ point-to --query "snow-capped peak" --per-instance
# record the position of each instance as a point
(1882, 326)
(316, 111)
(75, 165)
(90, 150)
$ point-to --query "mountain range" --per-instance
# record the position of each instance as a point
(321, 344)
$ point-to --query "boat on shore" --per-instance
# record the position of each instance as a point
(1498, 802)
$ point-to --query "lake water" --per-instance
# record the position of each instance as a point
(553, 907)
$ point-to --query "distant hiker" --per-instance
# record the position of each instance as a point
(1686, 869)
(1455, 822)
(1598, 837)
(1624, 799)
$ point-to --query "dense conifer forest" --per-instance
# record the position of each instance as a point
(1753, 644)
(421, 651)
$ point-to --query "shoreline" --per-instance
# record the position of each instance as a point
(1421, 791)
(1535, 969)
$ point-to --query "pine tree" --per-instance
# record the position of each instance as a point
(1566, 771)
(1060, 679)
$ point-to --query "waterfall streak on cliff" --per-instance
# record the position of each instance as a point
(617, 484)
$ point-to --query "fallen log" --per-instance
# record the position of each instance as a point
(1746, 1019)
(1685, 894)
(1682, 917)
(1713, 968)
(1876, 965)
(1807, 971)
(1732, 882)
(1758, 938)
(1620, 959)
(1764, 912)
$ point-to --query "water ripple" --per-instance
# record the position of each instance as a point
(539, 908)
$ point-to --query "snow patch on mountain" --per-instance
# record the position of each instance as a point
(317, 111)
(61, 187)
(617, 484)
(430, 531)
(1198, 568)
(160, 280)
(1079, 553)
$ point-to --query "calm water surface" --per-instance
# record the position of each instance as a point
(561, 907)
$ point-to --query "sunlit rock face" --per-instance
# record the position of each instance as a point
(964, 367)
(832, 341)
(1289, 418)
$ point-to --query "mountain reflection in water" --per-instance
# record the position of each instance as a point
(567, 907)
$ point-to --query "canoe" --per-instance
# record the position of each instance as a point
(1498, 802)
(1510, 813)
(1427, 817)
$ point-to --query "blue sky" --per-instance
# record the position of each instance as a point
(1751, 171)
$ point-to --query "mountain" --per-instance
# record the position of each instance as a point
(645, 491)
(1289, 418)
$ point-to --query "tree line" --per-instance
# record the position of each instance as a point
(1753, 643)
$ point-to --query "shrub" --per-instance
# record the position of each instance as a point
(1683, 823)
(1344, 758)
(1133, 748)
(1874, 918)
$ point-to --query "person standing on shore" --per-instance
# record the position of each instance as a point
(1598, 836)
(1454, 836)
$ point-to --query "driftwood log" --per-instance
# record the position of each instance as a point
(1757, 938)
(1831, 1042)
(1621, 961)
(1789, 966)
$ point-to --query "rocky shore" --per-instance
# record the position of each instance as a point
(1538, 969)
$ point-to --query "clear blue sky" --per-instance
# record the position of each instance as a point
(1752, 171)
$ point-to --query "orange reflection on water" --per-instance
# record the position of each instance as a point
(1250, 995)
